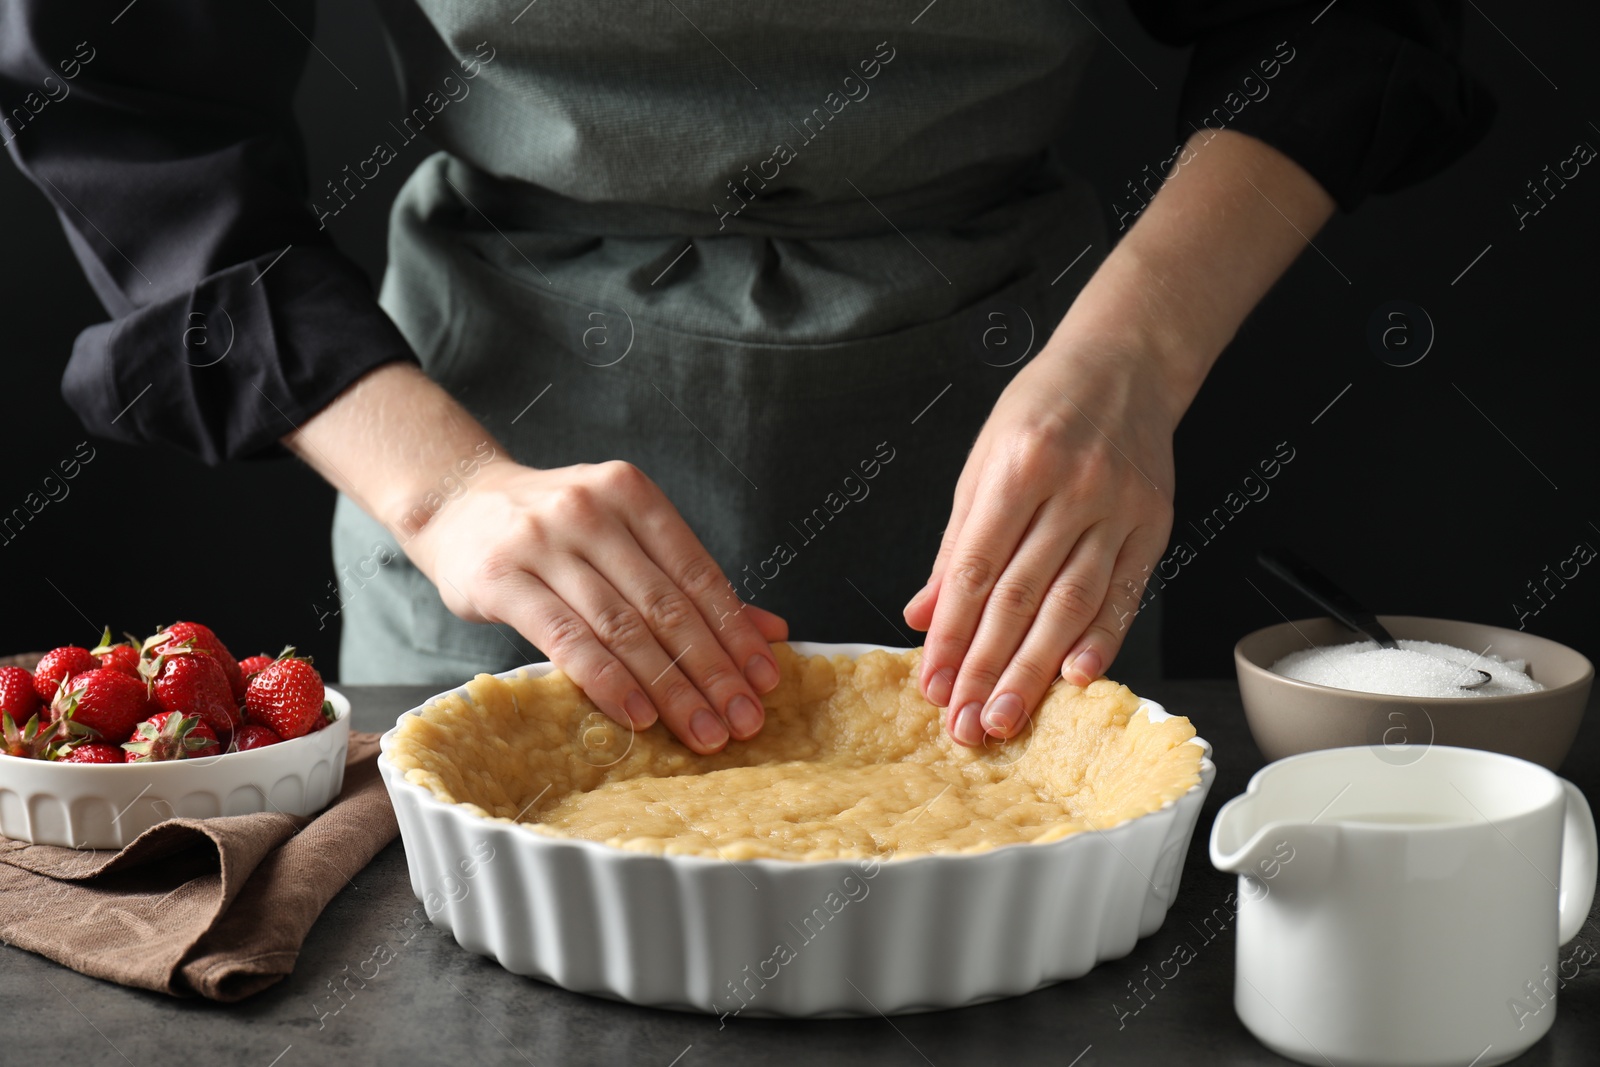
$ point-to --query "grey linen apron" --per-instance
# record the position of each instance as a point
(792, 306)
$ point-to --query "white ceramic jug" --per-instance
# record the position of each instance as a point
(1404, 912)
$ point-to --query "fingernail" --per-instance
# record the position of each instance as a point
(744, 717)
(708, 729)
(1087, 666)
(639, 709)
(939, 686)
(966, 728)
(761, 673)
(1003, 715)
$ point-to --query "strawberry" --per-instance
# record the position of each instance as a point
(32, 741)
(202, 639)
(169, 736)
(287, 696)
(18, 698)
(254, 735)
(107, 702)
(252, 664)
(189, 681)
(59, 665)
(95, 752)
(122, 656)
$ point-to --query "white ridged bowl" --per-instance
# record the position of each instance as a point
(698, 933)
(107, 806)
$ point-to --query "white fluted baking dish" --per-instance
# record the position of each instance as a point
(861, 937)
(86, 805)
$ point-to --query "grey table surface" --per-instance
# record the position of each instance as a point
(434, 1002)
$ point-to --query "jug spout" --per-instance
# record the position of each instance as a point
(1280, 853)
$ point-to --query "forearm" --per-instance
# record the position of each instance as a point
(397, 444)
(1212, 241)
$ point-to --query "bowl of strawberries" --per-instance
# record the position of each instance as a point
(98, 745)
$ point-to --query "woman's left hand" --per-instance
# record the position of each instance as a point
(1064, 505)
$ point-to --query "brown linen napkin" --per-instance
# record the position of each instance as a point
(214, 907)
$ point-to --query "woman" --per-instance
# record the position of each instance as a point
(692, 326)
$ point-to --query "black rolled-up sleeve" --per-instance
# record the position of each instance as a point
(166, 142)
(1369, 96)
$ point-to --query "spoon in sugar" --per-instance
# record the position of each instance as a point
(1320, 590)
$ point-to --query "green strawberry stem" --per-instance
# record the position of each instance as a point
(104, 646)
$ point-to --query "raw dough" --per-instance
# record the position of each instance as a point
(852, 763)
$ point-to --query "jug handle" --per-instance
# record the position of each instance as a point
(1578, 858)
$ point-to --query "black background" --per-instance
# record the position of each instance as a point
(1440, 488)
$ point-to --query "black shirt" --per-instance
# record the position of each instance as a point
(168, 147)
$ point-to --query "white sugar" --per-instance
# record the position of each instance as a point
(1415, 669)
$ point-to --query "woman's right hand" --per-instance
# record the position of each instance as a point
(594, 566)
